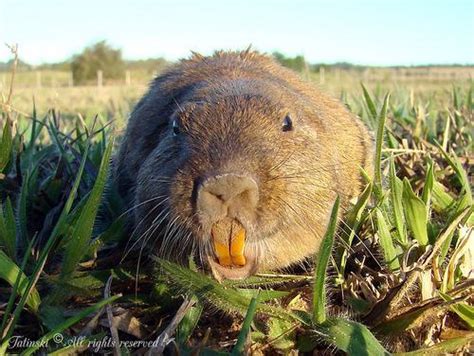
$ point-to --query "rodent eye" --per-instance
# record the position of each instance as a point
(175, 128)
(287, 124)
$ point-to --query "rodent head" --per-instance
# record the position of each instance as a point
(240, 179)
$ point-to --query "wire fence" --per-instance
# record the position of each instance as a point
(59, 79)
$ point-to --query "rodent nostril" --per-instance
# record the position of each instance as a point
(228, 191)
(246, 195)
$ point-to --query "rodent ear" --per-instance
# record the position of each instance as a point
(187, 107)
(183, 111)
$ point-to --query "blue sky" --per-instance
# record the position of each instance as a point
(374, 32)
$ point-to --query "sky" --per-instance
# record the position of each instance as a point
(371, 32)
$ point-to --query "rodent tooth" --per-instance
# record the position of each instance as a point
(237, 246)
(222, 252)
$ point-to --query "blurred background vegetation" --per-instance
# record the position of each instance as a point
(100, 80)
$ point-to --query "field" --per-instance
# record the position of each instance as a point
(395, 276)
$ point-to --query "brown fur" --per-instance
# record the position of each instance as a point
(231, 107)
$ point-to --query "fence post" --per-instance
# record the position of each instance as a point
(38, 79)
(99, 78)
(338, 75)
(366, 75)
(127, 78)
(70, 80)
(306, 70)
(321, 75)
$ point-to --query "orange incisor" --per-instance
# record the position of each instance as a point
(228, 237)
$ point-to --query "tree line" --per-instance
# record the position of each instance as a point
(109, 60)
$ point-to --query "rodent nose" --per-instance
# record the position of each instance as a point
(226, 195)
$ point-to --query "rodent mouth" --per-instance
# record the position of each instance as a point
(228, 240)
(220, 272)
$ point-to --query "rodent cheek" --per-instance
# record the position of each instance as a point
(180, 192)
(271, 208)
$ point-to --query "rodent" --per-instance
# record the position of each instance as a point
(236, 160)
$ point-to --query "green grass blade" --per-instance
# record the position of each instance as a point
(355, 214)
(47, 248)
(82, 231)
(264, 281)
(456, 101)
(461, 174)
(245, 330)
(386, 242)
(404, 322)
(22, 210)
(189, 323)
(370, 103)
(6, 145)
(464, 310)
(396, 195)
(263, 295)
(9, 272)
(428, 188)
(354, 220)
(54, 134)
(8, 229)
(4, 347)
(204, 287)
(11, 301)
(442, 201)
(378, 146)
(446, 236)
(321, 263)
(68, 323)
(33, 133)
(415, 214)
(207, 289)
(351, 337)
(447, 347)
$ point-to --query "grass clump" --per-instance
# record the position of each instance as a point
(394, 276)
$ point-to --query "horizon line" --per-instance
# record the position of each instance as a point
(329, 63)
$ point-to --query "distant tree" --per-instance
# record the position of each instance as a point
(149, 66)
(99, 56)
(297, 63)
(64, 66)
(22, 66)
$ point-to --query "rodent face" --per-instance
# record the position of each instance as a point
(238, 181)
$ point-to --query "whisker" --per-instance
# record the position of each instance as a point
(127, 249)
